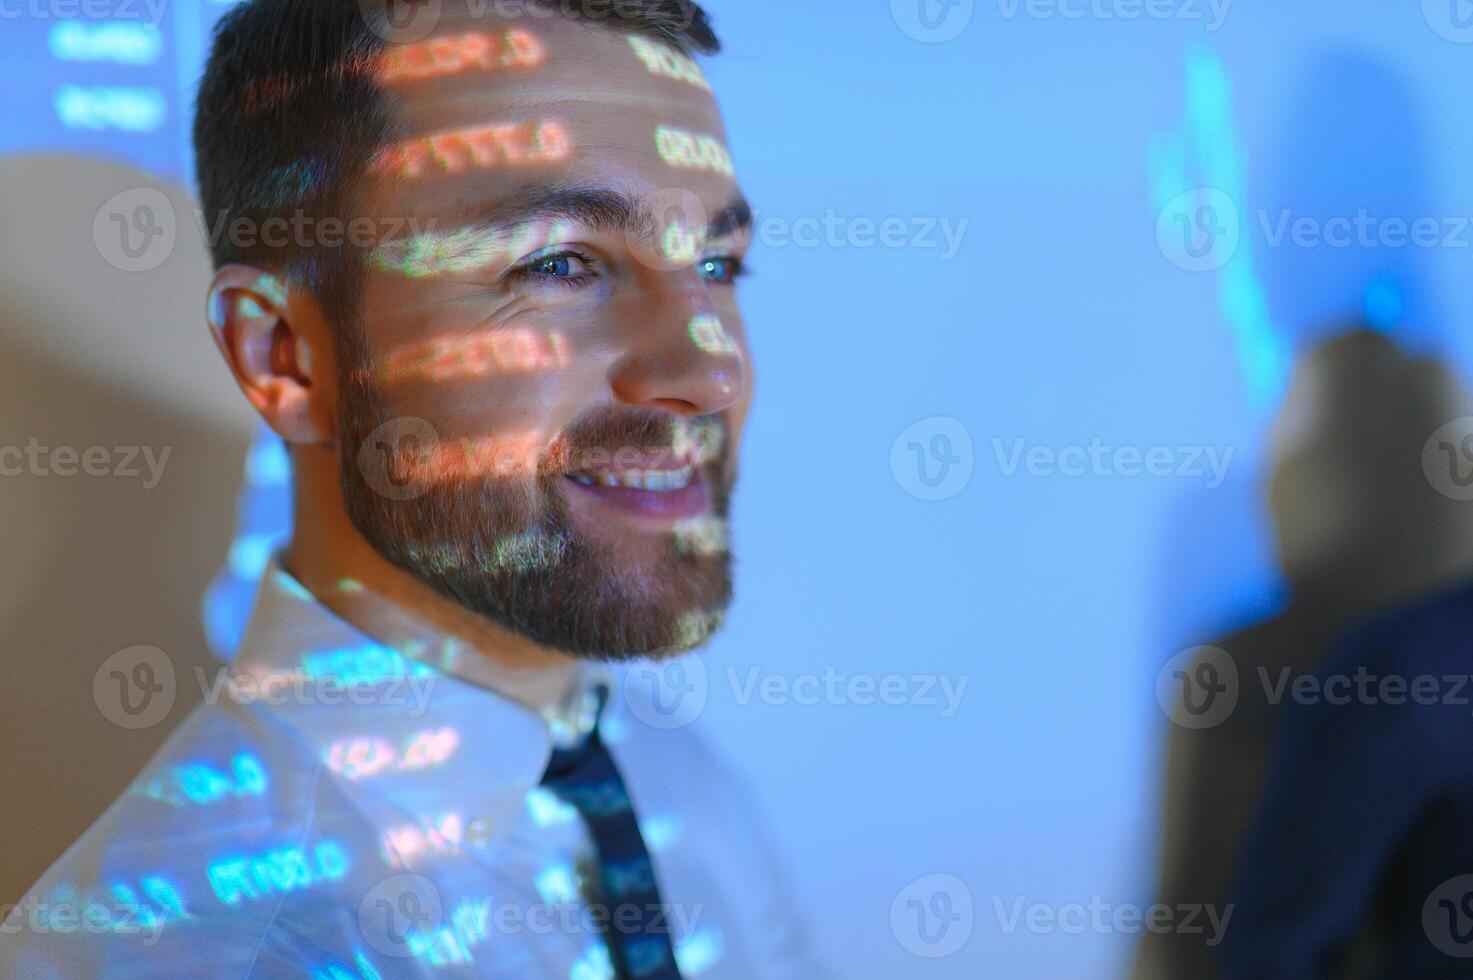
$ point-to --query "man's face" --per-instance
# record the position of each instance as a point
(543, 423)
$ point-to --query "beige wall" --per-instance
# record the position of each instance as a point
(91, 355)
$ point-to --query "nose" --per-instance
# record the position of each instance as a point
(680, 357)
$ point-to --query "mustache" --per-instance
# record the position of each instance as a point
(598, 439)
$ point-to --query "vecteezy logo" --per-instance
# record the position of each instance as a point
(134, 231)
(1199, 230)
(400, 916)
(678, 234)
(1447, 917)
(1198, 688)
(1451, 19)
(932, 21)
(667, 695)
(1447, 459)
(396, 459)
(932, 916)
(400, 21)
(134, 688)
(932, 459)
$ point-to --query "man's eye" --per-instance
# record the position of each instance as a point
(723, 269)
(565, 267)
(554, 265)
(560, 265)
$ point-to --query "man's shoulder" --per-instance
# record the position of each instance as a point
(1429, 633)
(173, 873)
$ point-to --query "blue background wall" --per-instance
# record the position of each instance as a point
(1063, 318)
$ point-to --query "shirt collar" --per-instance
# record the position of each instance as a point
(412, 726)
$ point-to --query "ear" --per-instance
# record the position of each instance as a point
(274, 340)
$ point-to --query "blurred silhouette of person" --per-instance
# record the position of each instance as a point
(1358, 861)
(1358, 529)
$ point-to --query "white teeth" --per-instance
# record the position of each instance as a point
(660, 481)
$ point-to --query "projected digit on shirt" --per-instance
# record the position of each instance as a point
(359, 758)
(276, 872)
(403, 845)
(202, 784)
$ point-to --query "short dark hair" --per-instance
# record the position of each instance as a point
(288, 117)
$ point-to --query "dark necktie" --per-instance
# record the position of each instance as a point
(638, 933)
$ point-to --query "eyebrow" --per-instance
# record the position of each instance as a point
(600, 208)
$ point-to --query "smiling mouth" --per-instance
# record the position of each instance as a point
(659, 481)
(659, 484)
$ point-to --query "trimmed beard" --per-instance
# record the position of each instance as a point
(505, 547)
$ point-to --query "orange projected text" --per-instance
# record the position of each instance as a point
(456, 151)
(504, 351)
(477, 51)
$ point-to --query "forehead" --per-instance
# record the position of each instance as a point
(487, 105)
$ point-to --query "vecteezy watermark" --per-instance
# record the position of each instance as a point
(835, 688)
(149, 12)
(932, 21)
(1213, 13)
(115, 461)
(1202, 229)
(932, 917)
(1364, 230)
(134, 688)
(410, 689)
(833, 230)
(1207, 463)
(1100, 917)
(667, 695)
(66, 912)
(1201, 687)
(1199, 230)
(1364, 687)
(932, 459)
(1447, 459)
(135, 230)
(1198, 688)
(1447, 917)
(402, 23)
(1451, 19)
(405, 915)
(400, 916)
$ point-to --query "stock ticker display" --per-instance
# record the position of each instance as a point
(108, 78)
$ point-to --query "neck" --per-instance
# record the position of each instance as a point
(342, 570)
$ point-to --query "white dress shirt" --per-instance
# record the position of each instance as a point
(342, 810)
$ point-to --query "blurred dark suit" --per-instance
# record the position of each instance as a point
(1358, 529)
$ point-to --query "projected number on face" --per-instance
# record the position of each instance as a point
(692, 151)
(439, 57)
(661, 59)
(276, 872)
(507, 351)
(709, 336)
(458, 150)
(462, 250)
(359, 758)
